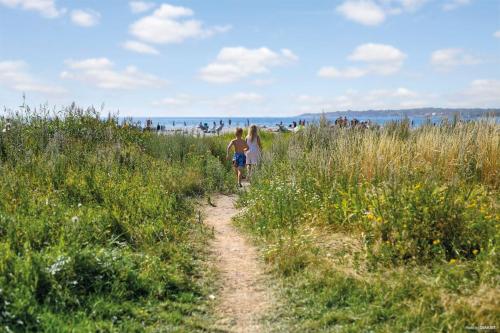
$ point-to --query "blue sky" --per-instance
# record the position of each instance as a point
(250, 58)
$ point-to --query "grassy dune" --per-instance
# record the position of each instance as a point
(388, 230)
(385, 230)
(98, 230)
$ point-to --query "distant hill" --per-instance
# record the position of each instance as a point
(420, 112)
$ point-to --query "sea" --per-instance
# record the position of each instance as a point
(272, 122)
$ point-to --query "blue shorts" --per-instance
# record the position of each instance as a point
(239, 160)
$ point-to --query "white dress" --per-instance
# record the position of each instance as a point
(253, 152)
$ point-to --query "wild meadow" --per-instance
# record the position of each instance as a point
(391, 229)
(98, 226)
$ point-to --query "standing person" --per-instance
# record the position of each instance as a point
(254, 149)
(229, 122)
(239, 158)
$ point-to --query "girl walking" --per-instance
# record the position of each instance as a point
(253, 153)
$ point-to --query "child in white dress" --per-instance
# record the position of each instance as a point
(254, 149)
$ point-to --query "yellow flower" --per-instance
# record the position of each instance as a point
(370, 216)
(418, 186)
(379, 219)
(452, 261)
(436, 242)
(475, 252)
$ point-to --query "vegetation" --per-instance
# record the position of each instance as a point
(98, 230)
(386, 230)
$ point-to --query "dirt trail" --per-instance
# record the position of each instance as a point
(244, 296)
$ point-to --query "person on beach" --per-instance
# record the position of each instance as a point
(239, 158)
(254, 149)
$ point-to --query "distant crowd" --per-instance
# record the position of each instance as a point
(354, 123)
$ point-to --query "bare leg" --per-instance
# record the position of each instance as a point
(236, 171)
(239, 176)
(249, 171)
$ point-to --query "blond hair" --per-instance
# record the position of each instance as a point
(252, 133)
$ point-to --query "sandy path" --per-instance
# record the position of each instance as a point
(244, 296)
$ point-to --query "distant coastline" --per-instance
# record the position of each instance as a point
(416, 112)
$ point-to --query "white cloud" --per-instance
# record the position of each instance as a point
(375, 12)
(454, 4)
(347, 73)
(483, 93)
(372, 52)
(447, 59)
(14, 75)
(46, 8)
(100, 72)
(181, 100)
(497, 34)
(365, 12)
(139, 47)
(235, 63)
(141, 6)
(237, 102)
(379, 59)
(357, 100)
(85, 18)
(172, 24)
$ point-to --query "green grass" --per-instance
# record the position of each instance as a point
(385, 230)
(98, 226)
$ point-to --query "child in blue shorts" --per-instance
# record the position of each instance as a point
(239, 158)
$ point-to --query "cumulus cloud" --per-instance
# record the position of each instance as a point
(365, 12)
(234, 103)
(375, 12)
(483, 93)
(356, 100)
(14, 75)
(85, 18)
(46, 8)
(347, 73)
(139, 47)
(454, 4)
(235, 63)
(101, 73)
(172, 24)
(141, 6)
(379, 59)
(447, 59)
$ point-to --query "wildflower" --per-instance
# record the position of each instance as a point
(418, 186)
(436, 241)
(475, 252)
(75, 219)
(452, 261)
(370, 216)
(379, 219)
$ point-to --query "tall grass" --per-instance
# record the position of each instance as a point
(97, 228)
(418, 204)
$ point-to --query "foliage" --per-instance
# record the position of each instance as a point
(97, 228)
(417, 202)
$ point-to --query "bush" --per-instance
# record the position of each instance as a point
(96, 222)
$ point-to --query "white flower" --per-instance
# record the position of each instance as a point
(75, 219)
